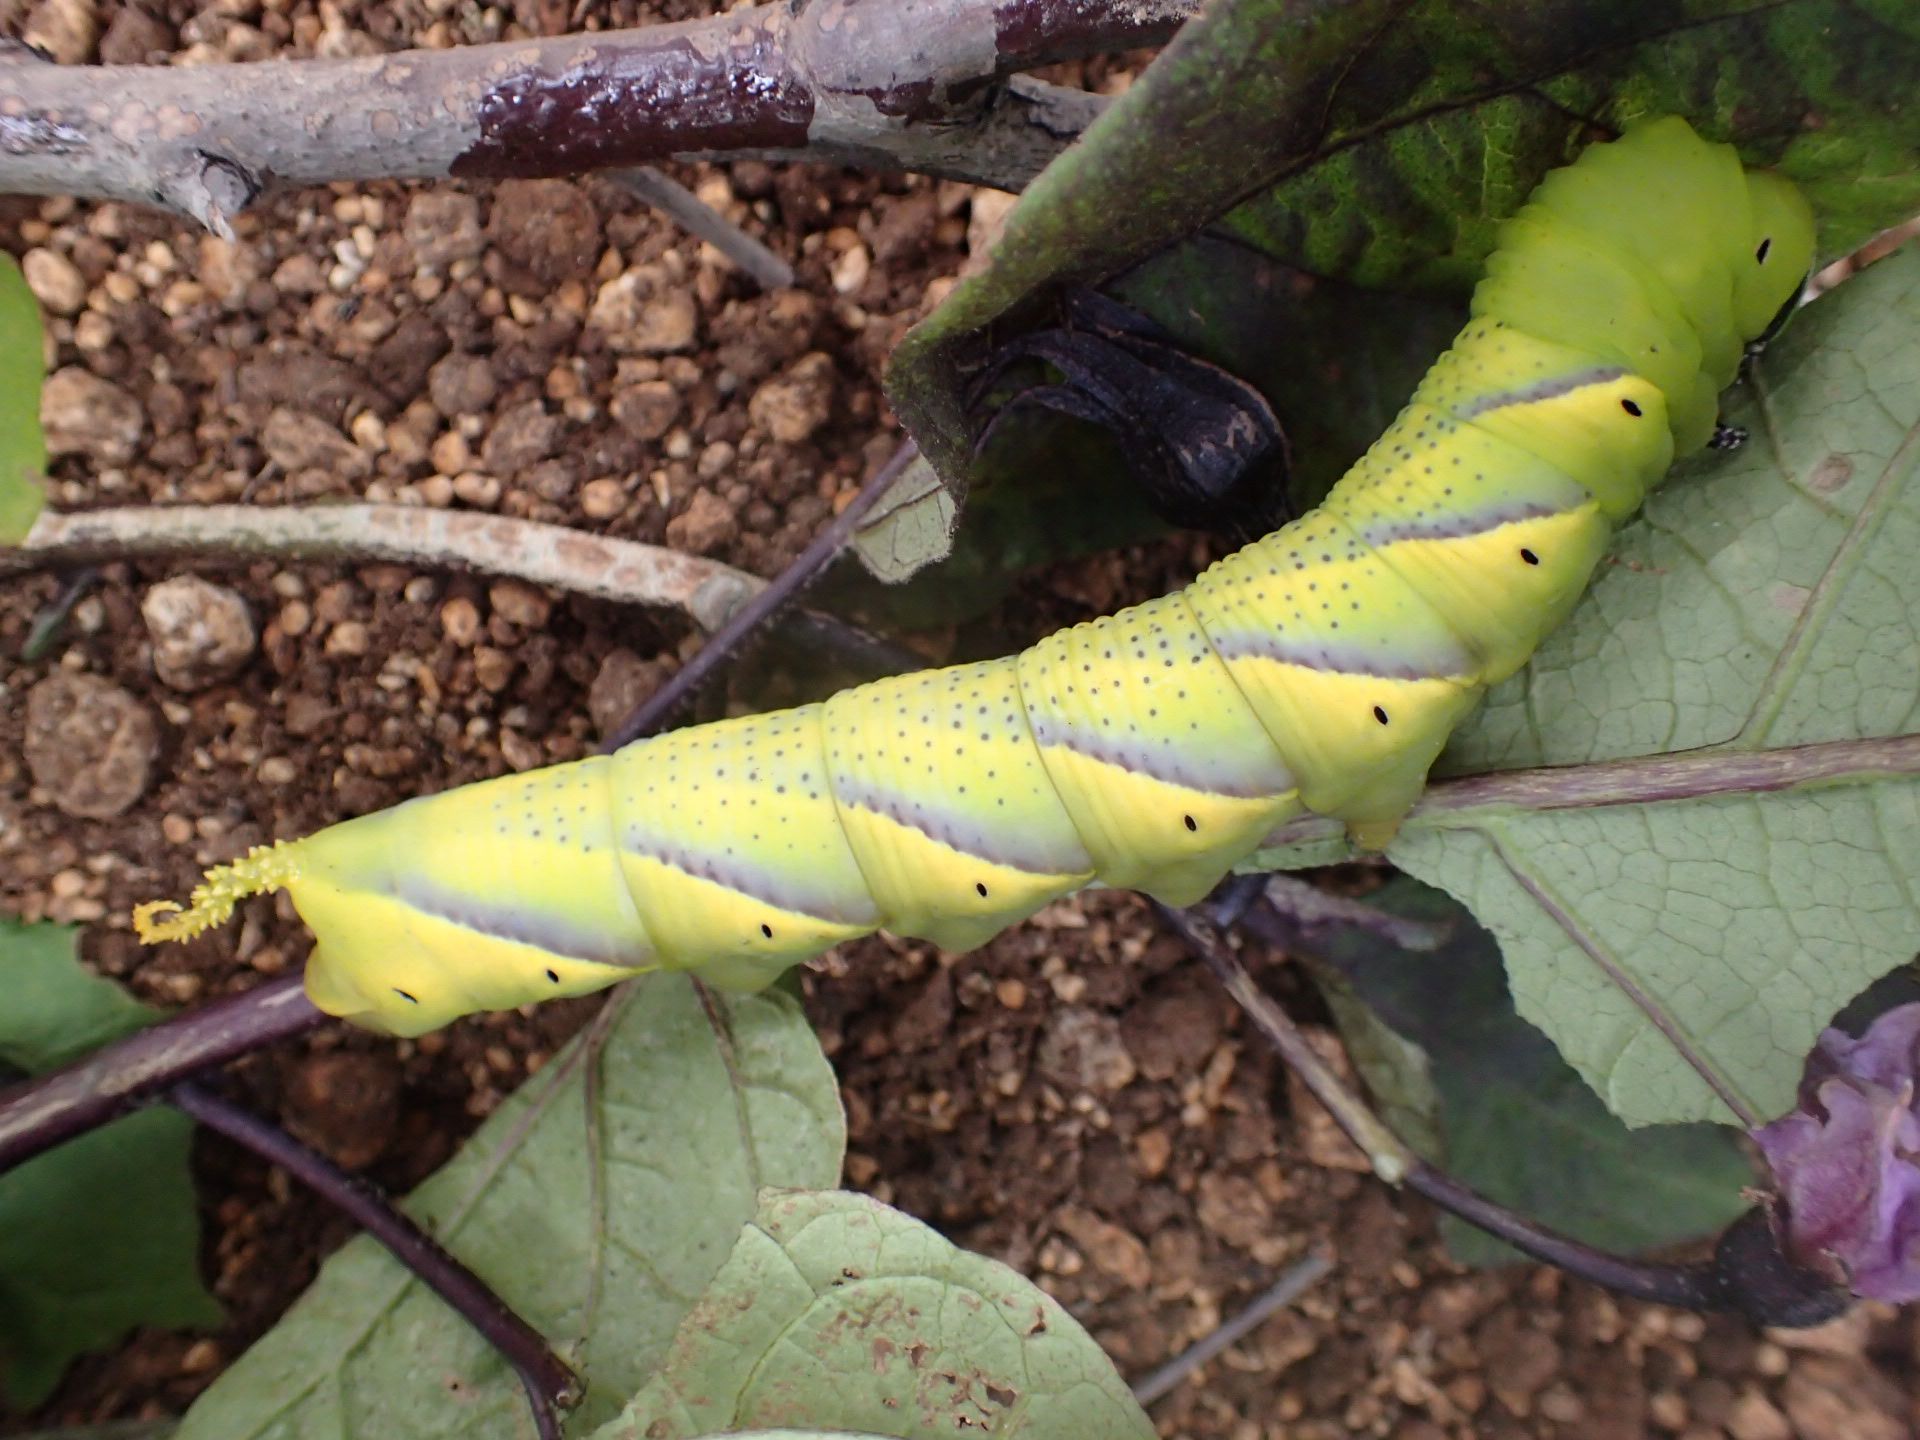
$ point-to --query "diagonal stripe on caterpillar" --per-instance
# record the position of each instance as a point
(1321, 668)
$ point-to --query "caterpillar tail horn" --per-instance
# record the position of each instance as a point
(261, 871)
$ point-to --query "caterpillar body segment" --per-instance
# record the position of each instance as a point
(731, 829)
(1321, 668)
(1161, 763)
(949, 806)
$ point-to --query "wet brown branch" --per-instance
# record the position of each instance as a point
(902, 84)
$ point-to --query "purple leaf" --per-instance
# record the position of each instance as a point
(1847, 1161)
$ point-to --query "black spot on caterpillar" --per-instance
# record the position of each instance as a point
(1619, 303)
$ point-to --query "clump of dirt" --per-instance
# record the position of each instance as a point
(1076, 1099)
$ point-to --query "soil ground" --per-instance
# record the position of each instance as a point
(1076, 1099)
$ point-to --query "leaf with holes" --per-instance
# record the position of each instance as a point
(598, 1202)
(837, 1312)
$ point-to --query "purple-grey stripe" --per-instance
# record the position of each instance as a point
(1545, 389)
(999, 844)
(502, 920)
(1457, 526)
(1242, 777)
(831, 906)
(1318, 654)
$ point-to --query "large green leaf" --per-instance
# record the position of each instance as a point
(54, 1009)
(1516, 1123)
(1379, 142)
(101, 1235)
(23, 450)
(1682, 925)
(599, 1202)
(837, 1312)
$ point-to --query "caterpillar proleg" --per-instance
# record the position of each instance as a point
(1320, 668)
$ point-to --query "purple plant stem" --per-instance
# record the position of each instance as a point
(85, 1095)
(550, 1384)
(807, 567)
(1690, 1287)
(1685, 1287)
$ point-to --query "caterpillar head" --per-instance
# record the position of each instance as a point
(1776, 258)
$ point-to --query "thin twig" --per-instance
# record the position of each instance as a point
(87, 1094)
(550, 1384)
(1693, 775)
(624, 571)
(1392, 1158)
(52, 617)
(697, 218)
(1295, 1282)
(1690, 1287)
(806, 567)
(620, 570)
(902, 86)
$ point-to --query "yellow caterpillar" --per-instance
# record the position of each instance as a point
(1321, 668)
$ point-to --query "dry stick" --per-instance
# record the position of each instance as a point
(697, 218)
(550, 1384)
(627, 572)
(1689, 1287)
(620, 570)
(806, 567)
(900, 86)
(1282, 1293)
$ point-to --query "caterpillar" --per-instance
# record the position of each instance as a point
(1320, 668)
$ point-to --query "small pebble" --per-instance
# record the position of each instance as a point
(202, 633)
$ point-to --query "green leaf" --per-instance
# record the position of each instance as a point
(97, 1238)
(1516, 1123)
(23, 450)
(1683, 924)
(1764, 605)
(598, 1202)
(911, 527)
(110, 1430)
(839, 1313)
(1398, 1071)
(1279, 145)
(102, 1234)
(52, 1009)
